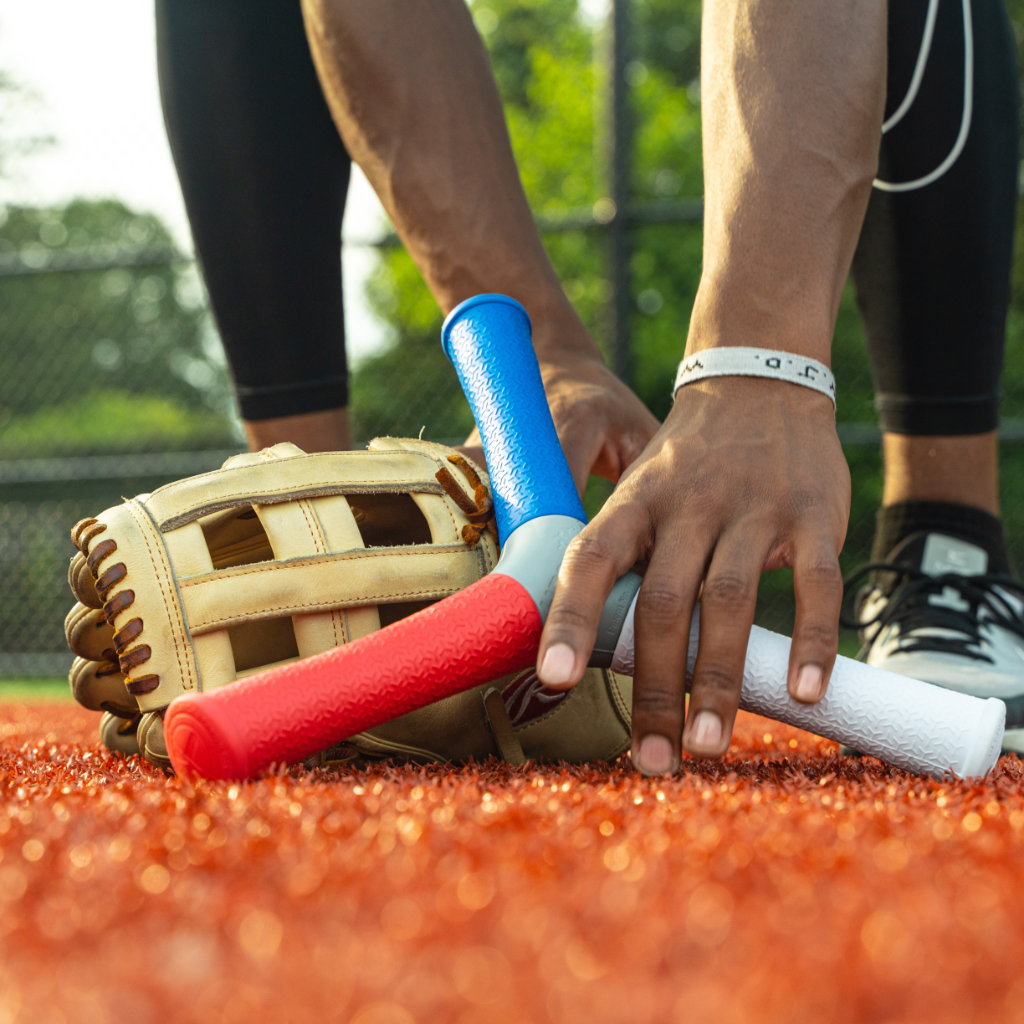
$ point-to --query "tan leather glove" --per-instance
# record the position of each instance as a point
(280, 555)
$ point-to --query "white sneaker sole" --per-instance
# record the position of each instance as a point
(1013, 741)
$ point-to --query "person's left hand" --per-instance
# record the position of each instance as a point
(602, 425)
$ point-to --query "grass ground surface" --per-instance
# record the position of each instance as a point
(21, 690)
(780, 884)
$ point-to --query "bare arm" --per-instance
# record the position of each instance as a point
(411, 90)
(746, 474)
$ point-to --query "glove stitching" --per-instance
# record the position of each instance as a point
(109, 665)
(83, 531)
(117, 604)
(304, 561)
(272, 497)
(618, 700)
(307, 456)
(176, 616)
(99, 553)
(445, 500)
(208, 625)
(111, 578)
(541, 719)
(320, 543)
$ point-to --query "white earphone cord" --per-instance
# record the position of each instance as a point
(915, 85)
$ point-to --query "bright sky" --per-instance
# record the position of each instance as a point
(92, 66)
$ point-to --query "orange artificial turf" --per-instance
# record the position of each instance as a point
(783, 883)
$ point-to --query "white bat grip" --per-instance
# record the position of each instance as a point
(916, 726)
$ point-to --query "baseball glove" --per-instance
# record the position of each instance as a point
(280, 555)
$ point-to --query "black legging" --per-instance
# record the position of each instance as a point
(264, 176)
(932, 268)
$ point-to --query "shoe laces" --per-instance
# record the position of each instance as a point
(908, 592)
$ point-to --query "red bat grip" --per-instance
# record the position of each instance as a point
(288, 713)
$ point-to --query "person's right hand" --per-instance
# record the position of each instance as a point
(746, 474)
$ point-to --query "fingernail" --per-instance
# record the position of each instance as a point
(808, 683)
(706, 734)
(654, 756)
(556, 668)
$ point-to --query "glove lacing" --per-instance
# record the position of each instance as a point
(479, 510)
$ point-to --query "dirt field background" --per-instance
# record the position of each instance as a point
(781, 884)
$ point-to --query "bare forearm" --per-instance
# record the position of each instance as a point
(792, 100)
(411, 90)
(745, 474)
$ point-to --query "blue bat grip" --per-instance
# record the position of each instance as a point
(488, 339)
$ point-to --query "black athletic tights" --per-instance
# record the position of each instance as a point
(932, 268)
(264, 176)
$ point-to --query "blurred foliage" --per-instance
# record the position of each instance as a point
(667, 35)
(34, 551)
(547, 62)
(409, 384)
(107, 360)
(127, 359)
(113, 421)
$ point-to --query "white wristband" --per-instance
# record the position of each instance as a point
(757, 362)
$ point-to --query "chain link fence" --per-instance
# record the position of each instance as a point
(72, 445)
(113, 380)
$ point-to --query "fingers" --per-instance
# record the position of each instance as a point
(630, 429)
(818, 585)
(629, 436)
(602, 553)
(602, 425)
(664, 608)
(582, 442)
(727, 606)
(737, 479)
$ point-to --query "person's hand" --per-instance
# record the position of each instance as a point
(602, 425)
(745, 475)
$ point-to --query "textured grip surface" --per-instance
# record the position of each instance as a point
(488, 340)
(922, 728)
(286, 714)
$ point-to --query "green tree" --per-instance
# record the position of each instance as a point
(547, 64)
(547, 69)
(114, 360)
